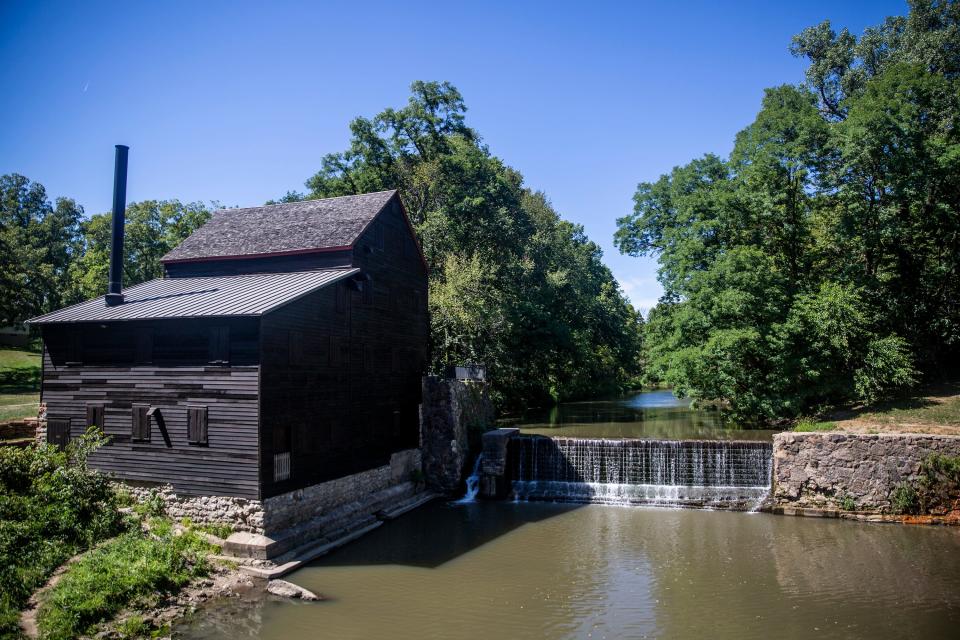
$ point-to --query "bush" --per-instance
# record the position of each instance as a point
(51, 507)
(132, 566)
(903, 500)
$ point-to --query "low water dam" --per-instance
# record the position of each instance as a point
(728, 474)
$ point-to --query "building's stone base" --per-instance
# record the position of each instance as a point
(313, 515)
(326, 512)
(823, 471)
(240, 514)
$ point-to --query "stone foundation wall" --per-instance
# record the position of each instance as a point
(296, 507)
(453, 415)
(287, 510)
(240, 514)
(822, 470)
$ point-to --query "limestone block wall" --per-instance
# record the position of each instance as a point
(300, 506)
(820, 470)
(452, 416)
(238, 513)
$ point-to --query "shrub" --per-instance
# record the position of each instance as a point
(848, 503)
(51, 507)
(903, 500)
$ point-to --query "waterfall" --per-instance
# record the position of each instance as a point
(688, 473)
(473, 483)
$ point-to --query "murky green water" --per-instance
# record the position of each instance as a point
(533, 570)
(650, 414)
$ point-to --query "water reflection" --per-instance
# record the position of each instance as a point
(554, 571)
(649, 414)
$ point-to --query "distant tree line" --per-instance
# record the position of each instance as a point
(818, 264)
(51, 256)
(512, 285)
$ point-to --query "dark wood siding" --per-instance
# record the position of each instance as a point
(341, 405)
(228, 465)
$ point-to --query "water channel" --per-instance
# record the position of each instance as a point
(517, 570)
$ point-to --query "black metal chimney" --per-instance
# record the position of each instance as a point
(114, 297)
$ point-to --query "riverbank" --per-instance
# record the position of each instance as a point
(935, 411)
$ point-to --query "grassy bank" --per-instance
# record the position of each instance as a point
(934, 410)
(53, 507)
(19, 384)
(135, 569)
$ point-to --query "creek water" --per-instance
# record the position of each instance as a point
(649, 414)
(548, 570)
(540, 570)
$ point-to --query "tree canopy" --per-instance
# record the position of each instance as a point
(819, 262)
(512, 285)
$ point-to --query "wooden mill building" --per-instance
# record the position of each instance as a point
(284, 347)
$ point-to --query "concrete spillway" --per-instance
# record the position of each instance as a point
(691, 473)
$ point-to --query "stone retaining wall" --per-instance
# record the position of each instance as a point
(453, 415)
(20, 428)
(823, 470)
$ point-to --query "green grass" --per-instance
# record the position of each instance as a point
(808, 425)
(945, 411)
(19, 384)
(16, 359)
(19, 405)
(133, 566)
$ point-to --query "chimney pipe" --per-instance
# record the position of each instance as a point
(114, 297)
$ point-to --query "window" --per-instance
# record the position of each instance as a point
(95, 416)
(220, 345)
(336, 351)
(144, 346)
(141, 423)
(295, 346)
(197, 426)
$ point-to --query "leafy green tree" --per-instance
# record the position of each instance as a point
(512, 285)
(153, 227)
(38, 241)
(819, 263)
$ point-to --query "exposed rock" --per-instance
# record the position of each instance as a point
(826, 470)
(286, 589)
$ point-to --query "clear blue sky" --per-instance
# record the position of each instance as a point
(237, 102)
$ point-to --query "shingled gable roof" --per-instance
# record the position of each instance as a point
(277, 229)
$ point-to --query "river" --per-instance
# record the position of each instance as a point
(648, 414)
(516, 570)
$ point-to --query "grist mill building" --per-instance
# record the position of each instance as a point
(283, 349)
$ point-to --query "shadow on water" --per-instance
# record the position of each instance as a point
(439, 532)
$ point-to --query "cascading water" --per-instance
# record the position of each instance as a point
(473, 483)
(690, 473)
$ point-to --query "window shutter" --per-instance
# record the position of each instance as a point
(58, 431)
(95, 416)
(197, 426)
(141, 424)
